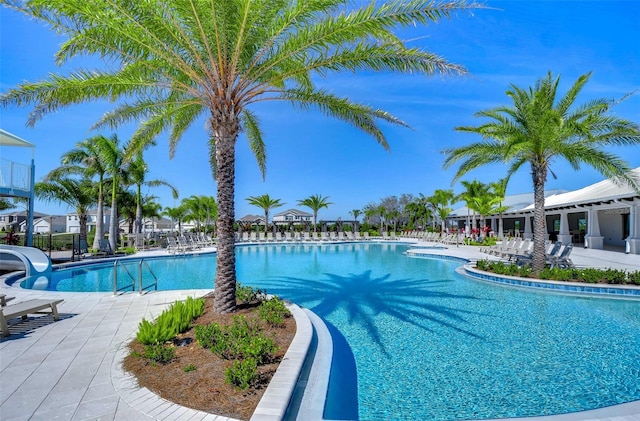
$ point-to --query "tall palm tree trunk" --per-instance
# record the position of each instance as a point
(83, 226)
(225, 134)
(113, 223)
(99, 217)
(539, 174)
(138, 224)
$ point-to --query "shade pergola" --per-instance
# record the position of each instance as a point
(9, 188)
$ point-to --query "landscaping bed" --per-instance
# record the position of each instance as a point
(196, 377)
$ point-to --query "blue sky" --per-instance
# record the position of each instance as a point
(307, 153)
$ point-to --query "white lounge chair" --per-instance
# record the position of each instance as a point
(25, 308)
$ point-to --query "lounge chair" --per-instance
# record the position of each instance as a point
(27, 307)
(172, 245)
(563, 260)
(549, 257)
(82, 250)
(4, 299)
(104, 249)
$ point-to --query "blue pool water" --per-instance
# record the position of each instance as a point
(415, 340)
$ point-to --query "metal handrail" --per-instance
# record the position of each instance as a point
(155, 278)
(115, 278)
(132, 285)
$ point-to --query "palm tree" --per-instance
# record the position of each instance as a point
(440, 202)
(355, 213)
(499, 190)
(137, 172)
(5, 204)
(393, 216)
(541, 127)
(265, 203)
(209, 209)
(472, 190)
(113, 157)
(78, 193)
(85, 159)
(183, 60)
(486, 204)
(381, 212)
(315, 202)
(178, 214)
(419, 209)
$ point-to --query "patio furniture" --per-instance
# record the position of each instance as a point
(25, 308)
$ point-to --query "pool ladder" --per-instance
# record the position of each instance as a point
(132, 285)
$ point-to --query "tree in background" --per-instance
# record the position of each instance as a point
(265, 203)
(137, 173)
(440, 201)
(499, 190)
(472, 190)
(170, 63)
(113, 157)
(315, 202)
(177, 214)
(86, 160)
(77, 193)
(5, 204)
(542, 126)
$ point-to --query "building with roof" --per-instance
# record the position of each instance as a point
(47, 224)
(292, 216)
(604, 214)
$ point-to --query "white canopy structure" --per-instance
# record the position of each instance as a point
(17, 180)
(606, 213)
(8, 139)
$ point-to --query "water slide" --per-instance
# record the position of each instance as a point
(34, 260)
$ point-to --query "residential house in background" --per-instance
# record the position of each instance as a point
(73, 220)
(17, 220)
(47, 224)
(294, 216)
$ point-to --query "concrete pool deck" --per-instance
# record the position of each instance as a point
(70, 369)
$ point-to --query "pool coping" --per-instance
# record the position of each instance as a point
(621, 291)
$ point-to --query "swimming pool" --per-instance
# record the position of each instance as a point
(422, 342)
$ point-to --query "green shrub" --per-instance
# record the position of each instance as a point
(482, 264)
(242, 373)
(556, 274)
(207, 335)
(590, 275)
(273, 312)
(189, 368)
(159, 353)
(242, 339)
(176, 319)
(615, 276)
(247, 294)
(524, 271)
(634, 277)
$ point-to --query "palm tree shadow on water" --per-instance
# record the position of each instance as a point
(364, 298)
